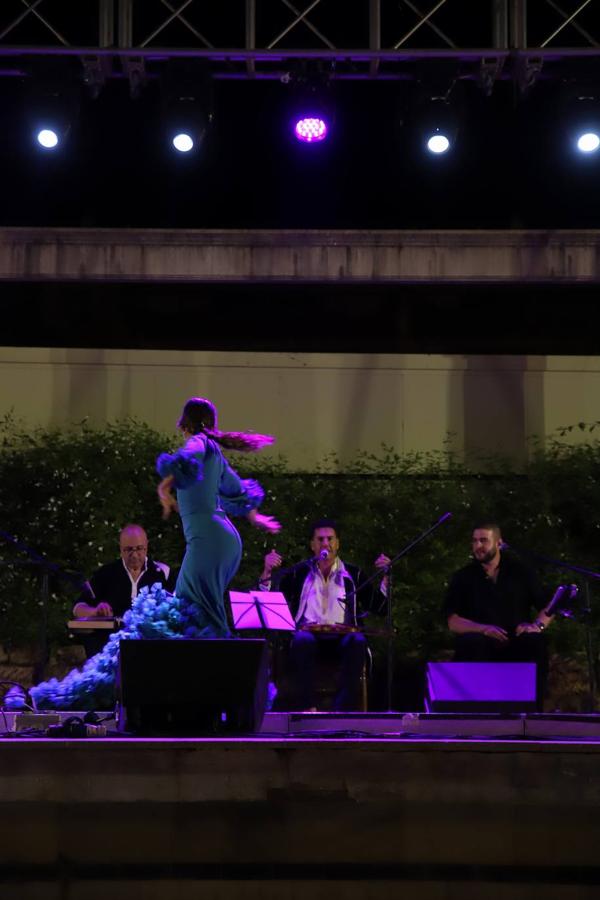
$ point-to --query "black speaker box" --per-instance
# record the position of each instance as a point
(192, 687)
(476, 687)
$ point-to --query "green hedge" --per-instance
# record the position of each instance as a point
(66, 493)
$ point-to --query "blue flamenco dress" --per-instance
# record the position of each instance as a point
(207, 490)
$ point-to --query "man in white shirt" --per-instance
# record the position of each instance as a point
(325, 599)
(115, 585)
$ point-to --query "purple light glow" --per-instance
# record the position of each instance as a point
(311, 129)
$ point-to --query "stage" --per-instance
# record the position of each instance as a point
(313, 805)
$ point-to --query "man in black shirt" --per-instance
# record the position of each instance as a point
(115, 585)
(489, 606)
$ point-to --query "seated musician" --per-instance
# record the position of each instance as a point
(115, 585)
(489, 605)
(325, 599)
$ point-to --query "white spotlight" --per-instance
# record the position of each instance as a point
(588, 142)
(183, 142)
(47, 138)
(438, 143)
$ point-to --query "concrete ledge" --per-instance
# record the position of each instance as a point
(84, 254)
(290, 803)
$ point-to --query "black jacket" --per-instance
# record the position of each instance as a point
(111, 584)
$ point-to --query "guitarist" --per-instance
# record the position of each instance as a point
(496, 607)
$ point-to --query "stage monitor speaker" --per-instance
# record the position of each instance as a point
(192, 687)
(473, 687)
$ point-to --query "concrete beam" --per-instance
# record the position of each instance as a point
(84, 254)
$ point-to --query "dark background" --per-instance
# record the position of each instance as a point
(369, 318)
(513, 165)
(513, 168)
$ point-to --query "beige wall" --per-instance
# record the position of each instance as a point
(314, 403)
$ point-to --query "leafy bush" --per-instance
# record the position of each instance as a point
(66, 493)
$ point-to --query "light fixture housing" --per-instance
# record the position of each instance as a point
(50, 114)
(577, 112)
(186, 107)
(438, 126)
(186, 122)
(584, 115)
(310, 110)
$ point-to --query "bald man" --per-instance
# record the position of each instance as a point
(116, 584)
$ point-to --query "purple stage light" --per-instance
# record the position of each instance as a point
(311, 129)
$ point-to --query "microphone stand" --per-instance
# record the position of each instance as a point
(585, 614)
(45, 568)
(277, 574)
(276, 640)
(389, 630)
(303, 562)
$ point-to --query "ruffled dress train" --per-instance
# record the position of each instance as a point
(207, 490)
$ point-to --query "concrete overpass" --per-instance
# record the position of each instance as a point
(261, 256)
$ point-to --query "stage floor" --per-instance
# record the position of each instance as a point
(351, 726)
(365, 806)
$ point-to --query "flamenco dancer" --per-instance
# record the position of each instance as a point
(199, 482)
(207, 489)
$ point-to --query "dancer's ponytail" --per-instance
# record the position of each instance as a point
(199, 416)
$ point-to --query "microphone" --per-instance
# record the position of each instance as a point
(321, 555)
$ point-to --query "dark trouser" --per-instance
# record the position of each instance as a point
(349, 651)
(525, 648)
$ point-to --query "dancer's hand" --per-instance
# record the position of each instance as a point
(166, 496)
(267, 523)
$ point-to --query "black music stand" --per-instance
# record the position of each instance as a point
(389, 630)
(266, 612)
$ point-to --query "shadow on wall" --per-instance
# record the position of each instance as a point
(497, 405)
(80, 386)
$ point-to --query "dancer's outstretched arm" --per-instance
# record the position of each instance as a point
(167, 497)
(267, 523)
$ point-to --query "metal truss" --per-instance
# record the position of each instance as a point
(264, 39)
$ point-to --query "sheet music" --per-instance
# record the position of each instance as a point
(244, 610)
(274, 609)
(261, 610)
